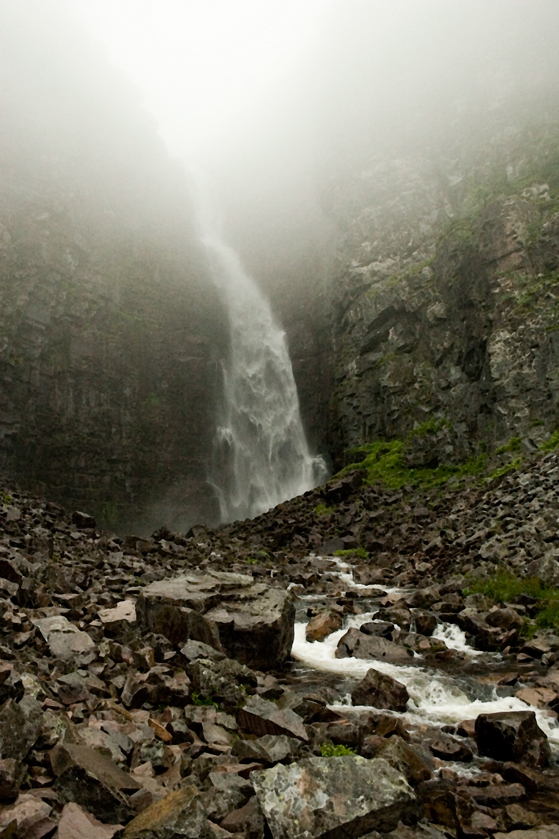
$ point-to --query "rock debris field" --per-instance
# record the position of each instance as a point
(324, 670)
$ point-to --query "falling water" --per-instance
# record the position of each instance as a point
(261, 453)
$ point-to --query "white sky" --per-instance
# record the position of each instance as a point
(204, 64)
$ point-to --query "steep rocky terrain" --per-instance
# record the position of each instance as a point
(110, 329)
(444, 299)
(148, 683)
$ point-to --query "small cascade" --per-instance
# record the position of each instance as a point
(261, 454)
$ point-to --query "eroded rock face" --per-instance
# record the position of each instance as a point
(333, 797)
(249, 621)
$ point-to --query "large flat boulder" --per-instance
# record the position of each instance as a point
(248, 621)
(333, 798)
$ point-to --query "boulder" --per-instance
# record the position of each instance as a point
(179, 814)
(323, 625)
(86, 777)
(76, 823)
(65, 640)
(381, 691)
(333, 797)
(31, 815)
(415, 765)
(359, 645)
(249, 621)
(512, 736)
(260, 716)
(19, 727)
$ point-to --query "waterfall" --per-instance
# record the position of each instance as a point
(261, 455)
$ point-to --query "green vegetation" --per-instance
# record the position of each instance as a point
(330, 750)
(504, 587)
(197, 699)
(361, 552)
(258, 558)
(6, 498)
(385, 462)
(504, 470)
(323, 510)
(513, 445)
(551, 444)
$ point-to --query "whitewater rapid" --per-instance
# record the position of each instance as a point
(436, 698)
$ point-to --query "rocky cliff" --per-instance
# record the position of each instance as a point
(444, 293)
(109, 327)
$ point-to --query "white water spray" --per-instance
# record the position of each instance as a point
(261, 453)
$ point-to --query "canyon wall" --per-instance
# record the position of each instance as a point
(110, 331)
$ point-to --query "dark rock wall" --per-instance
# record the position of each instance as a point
(110, 331)
(446, 282)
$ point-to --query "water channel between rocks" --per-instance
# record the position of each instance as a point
(439, 695)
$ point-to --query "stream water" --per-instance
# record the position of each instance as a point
(438, 696)
(261, 454)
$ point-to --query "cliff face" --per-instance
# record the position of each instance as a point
(444, 293)
(109, 327)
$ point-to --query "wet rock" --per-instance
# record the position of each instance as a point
(323, 625)
(512, 736)
(260, 716)
(323, 797)
(383, 629)
(179, 814)
(449, 748)
(359, 645)
(76, 823)
(86, 777)
(381, 691)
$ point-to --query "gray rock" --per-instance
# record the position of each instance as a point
(381, 691)
(248, 621)
(359, 645)
(260, 716)
(333, 798)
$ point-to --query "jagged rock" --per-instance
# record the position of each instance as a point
(31, 815)
(222, 681)
(323, 797)
(179, 814)
(12, 773)
(449, 748)
(512, 736)
(76, 823)
(19, 727)
(86, 777)
(11, 686)
(271, 748)
(65, 640)
(415, 765)
(248, 621)
(323, 625)
(359, 645)
(119, 621)
(260, 716)
(247, 820)
(381, 691)
(83, 520)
